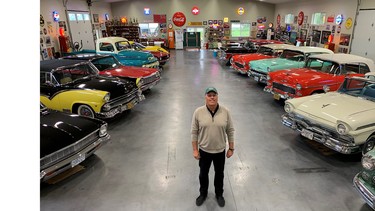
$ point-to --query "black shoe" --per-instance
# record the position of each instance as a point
(220, 201)
(199, 201)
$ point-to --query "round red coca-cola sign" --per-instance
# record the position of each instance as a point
(179, 19)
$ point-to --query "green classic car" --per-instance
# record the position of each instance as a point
(292, 57)
(364, 181)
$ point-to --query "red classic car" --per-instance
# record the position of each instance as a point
(240, 62)
(250, 46)
(322, 73)
(108, 65)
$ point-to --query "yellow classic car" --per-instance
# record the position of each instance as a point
(149, 47)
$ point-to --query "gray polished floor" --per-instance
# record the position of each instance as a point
(148, 164)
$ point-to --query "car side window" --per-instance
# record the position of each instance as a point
(106, 47)
(356, 68)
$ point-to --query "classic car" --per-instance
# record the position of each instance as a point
(119, 47)
(225, 53)
(160, 53)
(292, 57)
(74, 86)
(240, 62)
(322, 73)
(342, 120)
(364, 181)
(108, 65)
(66, 140)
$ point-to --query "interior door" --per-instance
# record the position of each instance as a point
(81, 30)
(363, 41)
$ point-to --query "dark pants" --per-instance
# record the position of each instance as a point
(204, 163)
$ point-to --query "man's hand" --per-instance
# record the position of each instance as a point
(196, 154)
(229, 153)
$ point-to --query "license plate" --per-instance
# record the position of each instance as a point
(276, 96)
(256, 78)
(130, 105)
(308, 134)
(78, 160)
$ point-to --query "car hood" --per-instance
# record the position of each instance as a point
(158, 54)
(334, 106)
(115, 87)
(155, 48)
(274, 64)
(254, 56)
(139, 56)
(301, 76)
(59, 130)
(129, 71)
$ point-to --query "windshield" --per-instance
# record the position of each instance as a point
(359, 88)
(266, 51)
(329, 67)
(123, 45)
(293, 55)
(106, 63)
(71, 73)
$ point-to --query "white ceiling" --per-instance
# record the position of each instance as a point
(267, 1)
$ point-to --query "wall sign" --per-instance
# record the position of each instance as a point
(41, 21)
(195, 10)
(146, 11)
(339, 19)
(300, 18)
(179, 19)
(348, 23)
(241, 11)
(56, 16)
(278, 19)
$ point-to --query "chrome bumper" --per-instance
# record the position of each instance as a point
(366, 194)
(258, 77)
(121, 108)
(66, 164)
(276, 95)
(321, 135)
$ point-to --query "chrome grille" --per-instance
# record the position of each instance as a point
(69, 150)
(150, 79)
(123, 99)
(283, 88)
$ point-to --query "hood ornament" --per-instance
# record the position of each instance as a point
(325, 105)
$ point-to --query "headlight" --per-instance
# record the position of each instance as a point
(298, 87)
(144, 65)
(288, 108)
(368, 162)
(342, 129)
(268, 77)
(103, 130)
(326, 88)
(106, 107)
(106, 97)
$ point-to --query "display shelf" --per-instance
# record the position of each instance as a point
(214, 36)
(129, 32)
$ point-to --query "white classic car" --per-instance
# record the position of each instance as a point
(341, 120)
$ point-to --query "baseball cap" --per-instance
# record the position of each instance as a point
(211, 89)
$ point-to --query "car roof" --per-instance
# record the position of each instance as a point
(86, 56)
(50, 65)
(277, 46)
(343, 58)
(309, 49)
(112, 39)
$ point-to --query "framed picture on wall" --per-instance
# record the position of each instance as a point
(325, 35)
(204, 22)
(316, 36)
(95, 17)
(344, 39)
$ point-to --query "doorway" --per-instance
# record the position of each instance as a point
(81, 30)
(202, 33)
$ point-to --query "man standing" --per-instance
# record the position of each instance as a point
(211, 127)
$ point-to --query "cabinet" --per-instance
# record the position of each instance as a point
(214, 36)
(129, 32)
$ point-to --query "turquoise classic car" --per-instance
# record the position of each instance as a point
(119, 47)
(292, 57)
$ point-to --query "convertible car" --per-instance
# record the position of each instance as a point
(66, 140)
(108, 65)
(74, 86)
(240, 62)
(292, 57)
(322, 73)
(342, 120)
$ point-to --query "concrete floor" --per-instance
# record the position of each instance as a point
(148, 164)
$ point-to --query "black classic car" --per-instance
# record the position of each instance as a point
(66, 140)
(108, 65)
(74, 86)
(249, 46)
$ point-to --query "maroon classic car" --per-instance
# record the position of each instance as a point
(322, 73)
(250, 46)
(108, 65)
(240, 62)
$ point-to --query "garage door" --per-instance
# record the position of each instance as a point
(363, 43)
(80, 28)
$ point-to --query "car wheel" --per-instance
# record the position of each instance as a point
(84, 110)
(369, 145)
